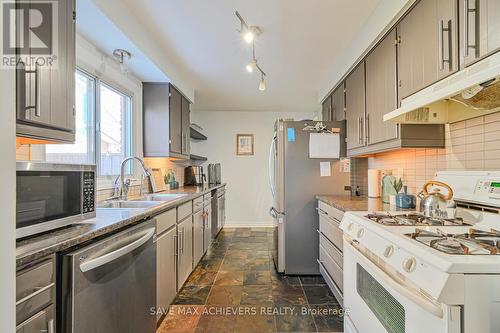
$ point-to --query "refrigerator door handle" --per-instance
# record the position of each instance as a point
(271, 166)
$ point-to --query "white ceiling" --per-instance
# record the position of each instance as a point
(300, 44)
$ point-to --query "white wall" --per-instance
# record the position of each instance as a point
(7, 201)
(386, 13)
(248, 195)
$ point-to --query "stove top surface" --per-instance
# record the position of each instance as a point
(473, 242)
(413, 219)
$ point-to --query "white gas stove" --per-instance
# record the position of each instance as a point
(404, 273)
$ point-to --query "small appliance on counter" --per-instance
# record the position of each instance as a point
(51, 196)
(214, 174)
(374, 183)
(194, 176)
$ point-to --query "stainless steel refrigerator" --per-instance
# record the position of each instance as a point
(295, 180)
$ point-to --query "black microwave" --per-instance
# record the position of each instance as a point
(51, 196)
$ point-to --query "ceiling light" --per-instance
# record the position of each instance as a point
(120, 55)
(248, 36)
(262, 84)
(251, 66)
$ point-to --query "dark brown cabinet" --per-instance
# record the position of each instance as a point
(480, 29)
(166, 121)
(381, 96)
(355, 107)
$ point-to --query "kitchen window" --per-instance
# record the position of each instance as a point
(103, 127)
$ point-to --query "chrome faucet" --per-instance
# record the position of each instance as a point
(124, 186)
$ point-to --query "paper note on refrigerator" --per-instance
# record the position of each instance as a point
(325, 169)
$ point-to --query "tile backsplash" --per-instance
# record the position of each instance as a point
(472, 144)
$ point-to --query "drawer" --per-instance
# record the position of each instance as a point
(165, 221)
(207, 199)
(331, 267)
(330, 211)
(336, 255)
(32, 279)
(184, 211)
(43, 321)
(330, 228)
(333, 287)
(26, 307)
(198, 204)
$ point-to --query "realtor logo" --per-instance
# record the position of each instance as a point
(29, 32)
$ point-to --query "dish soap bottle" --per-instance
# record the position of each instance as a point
(388, 181)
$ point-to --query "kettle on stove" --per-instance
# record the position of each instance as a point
(435, 204)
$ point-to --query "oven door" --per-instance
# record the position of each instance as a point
(378, 302)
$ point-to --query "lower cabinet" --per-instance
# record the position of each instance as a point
(198, 230)
(184, 250)
(166, 274)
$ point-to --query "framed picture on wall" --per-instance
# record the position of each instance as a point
(244, 144)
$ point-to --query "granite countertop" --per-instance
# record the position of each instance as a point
(106, 221)
(348, 203)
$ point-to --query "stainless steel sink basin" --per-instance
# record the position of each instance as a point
(163, 196)
(128, 204)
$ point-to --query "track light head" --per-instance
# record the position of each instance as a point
(250, 67)
(262, 83)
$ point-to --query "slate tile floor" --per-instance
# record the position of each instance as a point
(235, 288)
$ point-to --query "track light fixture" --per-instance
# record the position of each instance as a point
(120, 55)
(249, 33)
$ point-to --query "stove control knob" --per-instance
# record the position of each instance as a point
(409, 264)
(360, 232)
(389, 250)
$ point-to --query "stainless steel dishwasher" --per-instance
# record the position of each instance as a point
(110, 286)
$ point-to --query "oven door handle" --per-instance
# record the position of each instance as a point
(424, 303)
(108, 257)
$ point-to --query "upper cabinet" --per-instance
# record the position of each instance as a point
(479, 28)
(338, 103)
(355, 107)
(45, 102)
(166, 121)
(427, 44)
(327, 109)
(381, 90)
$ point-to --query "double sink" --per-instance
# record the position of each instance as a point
(145, 202)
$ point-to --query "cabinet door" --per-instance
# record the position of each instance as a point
(185, 250)
(355, 107)
(186, 122)
(418, 48)
(381, 91)
(207, 234)
(176, 140)
(49, 90)
(447, 24)
(198, 228)
(166, 273)
(327, 109)
(338, 103)
(480, 29)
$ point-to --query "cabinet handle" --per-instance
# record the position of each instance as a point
(359, 130)
(446, 29)
(467, 12)
(179, 240)
(34, 105)
(367, 128)
(50, 327)
(174, 240)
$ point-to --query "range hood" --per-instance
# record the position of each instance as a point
(469, 93)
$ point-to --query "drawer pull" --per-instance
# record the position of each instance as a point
(39, 291)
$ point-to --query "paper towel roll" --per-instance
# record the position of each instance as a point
(374, 183)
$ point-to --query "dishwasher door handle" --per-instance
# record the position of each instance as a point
(108, 257)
